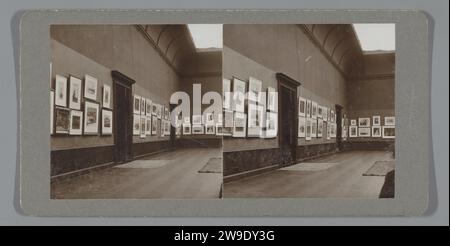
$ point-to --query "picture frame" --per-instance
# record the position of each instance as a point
(229, 119)
(197, 119)
(90, 87)
(136, 124)
(376, 131)
(389, 121)
(142, 122)
(308, 108)
(272, 99)
(154, 109)
(353, 122)
(62, 120)
(219, 129)
(324, 114)
(154, 125)
(353, 131)
(210, 129)
(319, 128)
(271, 124)
(159, 111)
(76, 122)
(167, 127)
(60, 91)
(332, 117)
(187, 129)
(166, 113)
(388, 131)
(329, 129)
(240, 125)
(142, 107)
(198, 129)
(364, 132)
(107, 122)
(254, 90)
(148, 125)
(239, 89)
(313, 110)
(319, 112)
(162, 132)
(52, 106)
(226, 94)
(301, 126)
(91, 118)
(376, 120)
(333, 130)
(148, 107)
(308, 129)
(364, 122)
(255, 120)
(75, 93)
(313, 128)
(209, 119)
(301, 106)
(106, 95)
(137, 104)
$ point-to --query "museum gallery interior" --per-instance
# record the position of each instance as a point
(110, 131)
(331, 133)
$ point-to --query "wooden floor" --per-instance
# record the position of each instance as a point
(179, 178)
(342, 180)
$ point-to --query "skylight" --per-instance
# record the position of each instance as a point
(376, 37)
(206, 36)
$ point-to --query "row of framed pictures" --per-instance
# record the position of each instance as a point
(376, 121)
(374, 131)
(71, 98)
(309, 128)
(311, 109)
(144, 125)
(146, 107)
(70, 121)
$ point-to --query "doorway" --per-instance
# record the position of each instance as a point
(339, 126)
(287, 118)
(123, 117)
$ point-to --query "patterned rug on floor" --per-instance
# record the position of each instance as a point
(310, 166)
(144, 164)
(214, 165)
(380, 168)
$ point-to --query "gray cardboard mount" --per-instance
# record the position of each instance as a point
(412, 106)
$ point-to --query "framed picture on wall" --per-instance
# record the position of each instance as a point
(219, 129)
(329, 130)
(61, 91)
(272, 99)
(136, 124)
(301, 127)
(333, 130)
(166, 113)
(364, 131)
(167, 128)
(308, 129)
(75, 93)
(319, 111)
(148, 107)
(106, 96)
(91, 117)
(240, 125)
(220, 118)
(239, 88)
(271, 124)
(308, 108)
(210, 129)
(301, 106)
(353, 131)
(154, 108)
(226, 94)
(154, 125)
(344, 133)
(159, 111)
(148, 125)
(198, 129)
(209, 119)
(107, 122)
(143, 121)
(137, 104)
(229, 118)
(389, 121)
(319, 128)
(62, 120)
(313, 110)
(376, 131)
(197, 119)
(353, 122)
(52, 106)
(255, 120)
(254, 89)
(376, 120)
(388, 131)
(324, 114)
(364, 122)
(186, 129)
(332, 116)
(142, 107)
(90, 87)
(76, 122)
(313, 128)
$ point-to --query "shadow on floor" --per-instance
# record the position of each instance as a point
(388, 189)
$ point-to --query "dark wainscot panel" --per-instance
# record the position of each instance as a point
(248, 160)
(305, 152)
